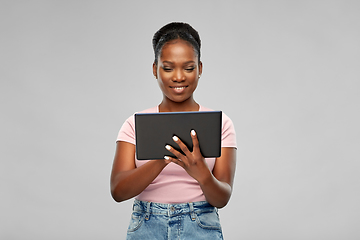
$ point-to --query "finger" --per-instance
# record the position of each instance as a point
(174, 160)
(174, 151)
(167, 159)
(195, 141)
(182, 146)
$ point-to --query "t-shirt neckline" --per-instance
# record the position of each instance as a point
(158, 110)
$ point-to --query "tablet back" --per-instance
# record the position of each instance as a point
(154, 130)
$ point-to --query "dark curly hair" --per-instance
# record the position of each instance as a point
(176, 30)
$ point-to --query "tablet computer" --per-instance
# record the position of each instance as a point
(155, 130)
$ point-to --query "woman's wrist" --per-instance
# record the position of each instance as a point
(206, 177)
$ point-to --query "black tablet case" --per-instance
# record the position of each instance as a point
(154, 130)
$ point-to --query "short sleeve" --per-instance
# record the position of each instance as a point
(127, 131)
(228, 136)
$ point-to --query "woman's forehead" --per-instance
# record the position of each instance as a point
(178, 49)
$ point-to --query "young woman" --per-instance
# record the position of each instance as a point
(175, 198)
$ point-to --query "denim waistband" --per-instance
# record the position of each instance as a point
(172, 209)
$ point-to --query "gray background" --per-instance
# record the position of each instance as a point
(286, 72)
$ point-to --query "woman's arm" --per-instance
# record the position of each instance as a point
(216, 185)
(126, 180)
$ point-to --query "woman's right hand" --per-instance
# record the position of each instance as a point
(128, 181)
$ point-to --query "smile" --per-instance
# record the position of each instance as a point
(179, 89)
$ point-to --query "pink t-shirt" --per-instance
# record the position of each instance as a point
(173, 184)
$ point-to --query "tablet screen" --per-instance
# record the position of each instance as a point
(155, 130)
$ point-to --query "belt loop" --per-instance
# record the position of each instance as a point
(147, 215)
(192, 213)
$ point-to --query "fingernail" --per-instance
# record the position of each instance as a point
(166, 157)
(167, 147)
(193, 132)
(175, 138)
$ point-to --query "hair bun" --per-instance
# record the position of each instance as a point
(176, 30)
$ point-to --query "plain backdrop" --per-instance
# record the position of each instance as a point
(286, 72)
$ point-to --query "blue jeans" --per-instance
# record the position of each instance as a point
(198, 220)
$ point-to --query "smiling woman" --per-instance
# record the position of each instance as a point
(178, 71)
(175, 198)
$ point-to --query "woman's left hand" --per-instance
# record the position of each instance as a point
(193, 162)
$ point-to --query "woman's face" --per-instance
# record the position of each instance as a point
(177, 71)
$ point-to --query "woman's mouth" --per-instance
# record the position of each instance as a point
(179, 89)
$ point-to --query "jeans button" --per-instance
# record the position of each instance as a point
(172, 208)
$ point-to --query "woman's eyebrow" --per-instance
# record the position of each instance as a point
(185, 63)
(168, 62)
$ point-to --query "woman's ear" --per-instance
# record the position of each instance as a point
(200, 68)
(155, 70)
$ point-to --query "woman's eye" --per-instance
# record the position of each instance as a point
(167, 69)
(189, 69)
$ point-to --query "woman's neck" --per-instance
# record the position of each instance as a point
(187, 106)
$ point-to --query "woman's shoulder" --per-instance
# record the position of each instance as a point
(131, 119)
(127, 130)
(150, 110)
(224, 116)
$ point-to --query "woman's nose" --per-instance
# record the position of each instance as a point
(178, 76)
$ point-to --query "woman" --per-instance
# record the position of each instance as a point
(176, 198)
